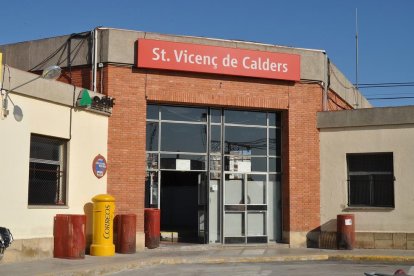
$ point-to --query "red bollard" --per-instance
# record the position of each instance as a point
(125, 233)
(345, 231)
(69, 236)
(152, 227)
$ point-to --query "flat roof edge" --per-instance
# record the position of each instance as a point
(379, 116)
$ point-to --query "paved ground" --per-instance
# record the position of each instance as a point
(180, 255)
(314, 268)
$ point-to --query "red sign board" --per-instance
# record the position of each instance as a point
(159, 54)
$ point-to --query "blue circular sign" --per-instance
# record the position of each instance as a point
(99, 166)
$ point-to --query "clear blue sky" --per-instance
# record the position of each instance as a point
(386, 28)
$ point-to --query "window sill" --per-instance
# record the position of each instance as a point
(368, 209)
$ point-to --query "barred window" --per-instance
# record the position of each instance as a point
(370, 179)
(47, 170)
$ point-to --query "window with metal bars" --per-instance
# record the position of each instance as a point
(47, 170)
(370, 180)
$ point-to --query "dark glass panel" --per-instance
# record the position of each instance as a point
(278, 142)
(215, 115)
(359, 188)
(274, 119)
(245, 140)
(152, 112)
(167, 162)
(275, 164)
(180, 113)
(45, 148)
(274, 142)
(183, 137)
(256, 239)
(256, 207)
(234, 240)
(244, 117)
(383, 190)
(152, 136)
(256, 177)
(43, 183)
(381, 162)
(259, 164)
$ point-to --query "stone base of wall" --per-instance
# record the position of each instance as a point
(385, 240)
(297, 239)
(28, 249)
(41, 248)
(371, 240)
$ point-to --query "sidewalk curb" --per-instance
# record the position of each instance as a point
(372, 258)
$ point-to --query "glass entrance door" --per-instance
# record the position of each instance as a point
(245, 208)
(176, 149)
(227, 162)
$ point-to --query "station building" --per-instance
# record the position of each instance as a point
(221, 135)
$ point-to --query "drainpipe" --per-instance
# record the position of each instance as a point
(325, 84)
(94, 57)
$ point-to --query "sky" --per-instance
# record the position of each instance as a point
(385, 29)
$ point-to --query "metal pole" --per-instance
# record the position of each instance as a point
(356, 45)
(356, 57)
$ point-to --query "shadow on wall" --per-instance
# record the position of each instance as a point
(323, 237)
(88, 210)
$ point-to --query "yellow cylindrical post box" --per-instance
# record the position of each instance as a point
(103, 222)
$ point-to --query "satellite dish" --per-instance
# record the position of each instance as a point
(52, 72)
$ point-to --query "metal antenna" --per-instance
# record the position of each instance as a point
(356, 45)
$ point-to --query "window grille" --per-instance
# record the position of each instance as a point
(47, 170)
(370, 180)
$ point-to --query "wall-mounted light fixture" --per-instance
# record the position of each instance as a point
(52, 72)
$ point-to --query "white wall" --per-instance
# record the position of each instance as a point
(335, 143)
(89, 138)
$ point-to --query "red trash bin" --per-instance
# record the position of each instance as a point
(152, 227)
(345, 231)
(69, 236)
(125, 233)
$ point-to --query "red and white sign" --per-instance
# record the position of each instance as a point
(159, 54)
